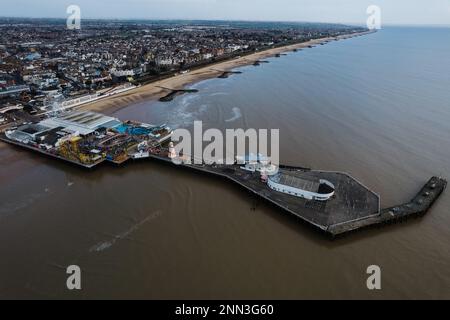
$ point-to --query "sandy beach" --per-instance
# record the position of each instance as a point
(153, 91)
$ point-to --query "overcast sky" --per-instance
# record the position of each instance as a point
(345, 11)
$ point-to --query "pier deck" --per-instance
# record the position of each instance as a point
(418, 206)
(44, 152)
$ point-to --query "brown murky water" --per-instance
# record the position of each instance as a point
(377, 107)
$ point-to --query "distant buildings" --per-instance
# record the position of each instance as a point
(13, 90)
(41, 62)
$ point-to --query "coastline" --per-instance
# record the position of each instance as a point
(152, 91)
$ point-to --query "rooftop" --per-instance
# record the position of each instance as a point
(83, 122)
(296, 182)
(33, 128)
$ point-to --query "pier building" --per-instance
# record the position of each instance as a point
(307, 188)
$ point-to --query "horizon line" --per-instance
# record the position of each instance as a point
(233, 20)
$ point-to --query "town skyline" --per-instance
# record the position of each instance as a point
(435, 12)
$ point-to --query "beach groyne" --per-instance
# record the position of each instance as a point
(174, 93)
(227, 74)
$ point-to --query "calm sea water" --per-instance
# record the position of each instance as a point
(377, 107)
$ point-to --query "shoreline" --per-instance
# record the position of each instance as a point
(152, 91)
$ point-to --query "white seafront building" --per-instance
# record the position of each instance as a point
(259, 163)
(307, 188)
(303, 186)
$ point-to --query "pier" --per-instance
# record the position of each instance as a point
(352, 200)
(352, 207)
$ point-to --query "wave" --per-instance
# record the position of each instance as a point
(101, 246)
(237, 114)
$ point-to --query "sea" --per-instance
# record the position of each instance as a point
(375, 106)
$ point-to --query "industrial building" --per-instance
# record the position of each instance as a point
(29, 132)
(82, 122)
